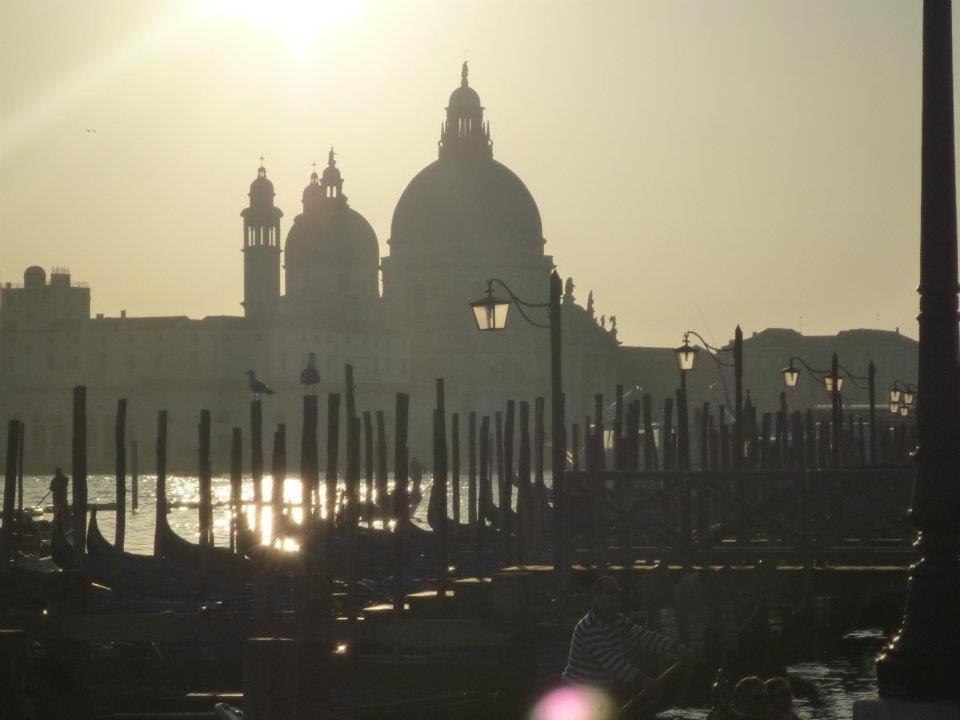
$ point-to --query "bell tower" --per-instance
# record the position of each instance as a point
(261, 249)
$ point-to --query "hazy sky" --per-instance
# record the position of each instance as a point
(753, 161)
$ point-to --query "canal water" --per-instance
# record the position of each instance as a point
(826, 687)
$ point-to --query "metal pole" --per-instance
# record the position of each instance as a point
(923, 660)
(835, 397)
(872, 378)
(738, 414)
(556, 430)
(683, 436)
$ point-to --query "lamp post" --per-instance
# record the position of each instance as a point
(905, 391)
(686, 359)
(490, 313)
(833, 382)
(922, 661)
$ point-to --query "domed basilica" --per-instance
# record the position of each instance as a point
(461, 220)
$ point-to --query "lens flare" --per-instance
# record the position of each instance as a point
(574, 703)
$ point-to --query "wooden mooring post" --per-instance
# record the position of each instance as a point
(134, 476)
(20, 440)
(256, 456)
(236, 487)
(330, 478)
(649, 446)
(472, 469)
(351, 511)
(485, 491)
(205, 511)
(400, 500)
(524, 491)
(79, 475)
(506, 490)
(539, 488)
(160, 517)
(309, 464)
(455, 482)
(9, 494)
(120, 433)
(383, 502)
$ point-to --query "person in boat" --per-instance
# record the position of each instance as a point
(780, 698)
(750, 699)
(58, 489)
(605, 644)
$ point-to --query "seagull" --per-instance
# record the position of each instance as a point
(310, 376)
(256, 386)
(90, 130)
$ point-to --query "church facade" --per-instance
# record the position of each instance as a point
(465, 218)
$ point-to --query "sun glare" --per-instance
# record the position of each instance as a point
(300, 26)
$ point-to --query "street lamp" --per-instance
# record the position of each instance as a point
(490, 313)
(833, 382)
(686, 359)
(828, 382)
(686, 354)
(791, 376)
(903, 391)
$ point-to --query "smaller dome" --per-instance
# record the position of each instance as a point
(464, 97)
(261, 189)
(34, 276)
(331, 175)
(312, 192)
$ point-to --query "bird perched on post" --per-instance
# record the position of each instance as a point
(256, 386)
(310, 376)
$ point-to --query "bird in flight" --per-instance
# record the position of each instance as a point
(257, 387)
(90, 130)
(310, 376)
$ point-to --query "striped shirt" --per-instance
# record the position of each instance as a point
(601, 652)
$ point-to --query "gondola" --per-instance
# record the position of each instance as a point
(224, 563)
(138, 574)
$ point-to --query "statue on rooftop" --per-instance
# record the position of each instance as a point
(568, 291)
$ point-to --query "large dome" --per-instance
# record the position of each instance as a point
(333, 234)
(466, 199)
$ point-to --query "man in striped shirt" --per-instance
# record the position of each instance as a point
(605, 642)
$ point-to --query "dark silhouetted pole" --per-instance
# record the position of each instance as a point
(236, 487)
(309, 464)
(872, 380)
(539, 440)
(161, 504)
(837, 427)
(738, 389)
(79, 475)
(9, 494)
(256, 455)
(134, 476)
(120, 533)
(382, 502)
(558, 466)
(206, 513)
(400, 501)
(330, 479)
(472, 468)
(923, 660)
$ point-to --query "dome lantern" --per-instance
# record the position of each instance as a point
(464, 131)
(331, 183)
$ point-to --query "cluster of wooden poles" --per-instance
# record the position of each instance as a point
(781, 440)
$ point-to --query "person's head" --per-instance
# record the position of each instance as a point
(58, 471)
(779, 694)
(606, 597)
(750, 698)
